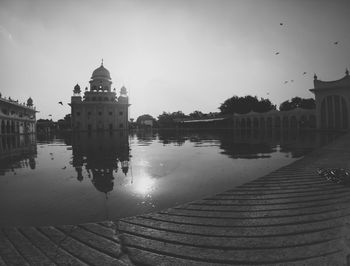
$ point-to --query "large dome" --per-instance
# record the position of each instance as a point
(101, 72)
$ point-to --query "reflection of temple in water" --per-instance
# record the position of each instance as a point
(17, 151)
(99, 155)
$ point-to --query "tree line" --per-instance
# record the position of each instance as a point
(235, 104)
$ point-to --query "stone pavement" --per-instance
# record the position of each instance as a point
(291, 216)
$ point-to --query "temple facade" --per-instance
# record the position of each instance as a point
(332, 103)
(16, 118)
(99, 108)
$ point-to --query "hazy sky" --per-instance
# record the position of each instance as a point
(171, 55)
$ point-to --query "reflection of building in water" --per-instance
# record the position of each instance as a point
(145, 137)
(100, 108)
(99, 155)
(17, 151)
(16, 118)
(332, 102)
(259, 144)
(251, 144)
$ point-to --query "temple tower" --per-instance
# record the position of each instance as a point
(99, 108)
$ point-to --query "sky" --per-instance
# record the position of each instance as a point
(171, 55)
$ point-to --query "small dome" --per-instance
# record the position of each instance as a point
(123, 90)
(101, 72)
(77, 88)
(30, 102)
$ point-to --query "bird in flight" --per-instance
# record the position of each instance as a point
(50, 115)
(286, 82)
(277, 53)
(60, 103)
(292, 80)
(304, 73)
(281, 24)
(335, 43)
(64, 167)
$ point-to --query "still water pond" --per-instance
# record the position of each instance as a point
(85, 178)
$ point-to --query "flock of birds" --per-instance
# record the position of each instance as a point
(304, 73)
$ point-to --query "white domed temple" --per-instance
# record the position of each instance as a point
(99, 108)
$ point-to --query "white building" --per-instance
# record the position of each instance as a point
(99, 108)
(16, 118)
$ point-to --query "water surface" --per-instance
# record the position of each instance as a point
(100, 176)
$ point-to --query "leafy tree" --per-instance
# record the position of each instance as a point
(296, 102)
(308, 103)
(264, 105)
(243, 105)
(144, 117)
(168, 119)
(196, 115)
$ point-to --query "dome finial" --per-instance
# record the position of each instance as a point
(347, 71)
(315, 77)
(102, 62)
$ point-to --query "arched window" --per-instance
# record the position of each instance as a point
(3, 127)
(285, 122)
(269, 122)
(344, 111)
(312, 121)
(293, 122)
(8, 127)
(249, 123)
(255, 122)
(243, 124)
(277, 122)
(238, 123)
(323, 114)
(303, 123)
(337, 109)
(334, 112)
(262, 122)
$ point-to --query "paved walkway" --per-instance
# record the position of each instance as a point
(291, 216)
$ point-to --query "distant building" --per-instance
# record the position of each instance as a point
(332, 103)
(16, 118)
(45, 126)
(100, 108)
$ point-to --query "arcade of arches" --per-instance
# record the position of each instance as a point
(297, 118)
